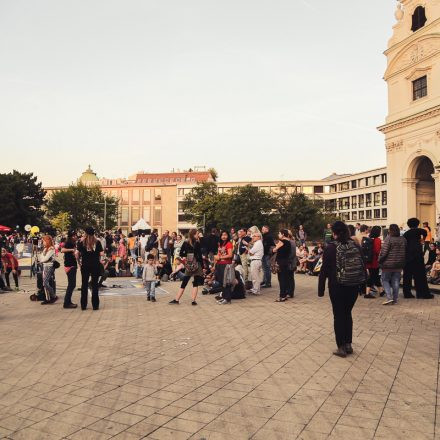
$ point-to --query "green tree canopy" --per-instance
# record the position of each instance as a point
(21, 199)
(85, 205)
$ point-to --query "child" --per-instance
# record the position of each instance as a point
(149, 278)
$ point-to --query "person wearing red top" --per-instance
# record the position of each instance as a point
(223, 257)
(10, 264)
(373, 267)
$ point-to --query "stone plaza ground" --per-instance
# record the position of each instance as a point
(251, 370)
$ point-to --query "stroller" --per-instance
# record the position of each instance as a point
(37, 271)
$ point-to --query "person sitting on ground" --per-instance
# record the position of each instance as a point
(179, 270)
(302, 268)
(432, 254)
(311, 261)
(434, 273)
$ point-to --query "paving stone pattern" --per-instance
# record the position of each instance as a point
(255, 369)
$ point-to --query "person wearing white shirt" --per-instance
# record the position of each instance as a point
(256, 253)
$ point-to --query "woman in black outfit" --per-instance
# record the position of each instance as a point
(70, 266)
(192, 252)
(343, 297)
(282, 249)
(90, 250)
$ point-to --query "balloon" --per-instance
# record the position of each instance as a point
(27, 228)
(35, 230)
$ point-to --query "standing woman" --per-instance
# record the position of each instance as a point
(392, 261)
(192, 252)
(70, 267)
(373, 266)
(223, 257)
(47, 258)
(343, 266)
(90, 250)
(282, 249)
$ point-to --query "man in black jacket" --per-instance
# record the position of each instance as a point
(268, 245)
(415, 265)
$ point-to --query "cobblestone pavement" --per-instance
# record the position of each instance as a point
(251, 370)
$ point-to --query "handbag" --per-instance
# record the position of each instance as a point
(56, 264)
(191, 264)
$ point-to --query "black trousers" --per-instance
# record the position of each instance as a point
(343, 299)
(86, 273)
(291, 285)
(284, 280)
(415, 269)
(14, 275)
(71, 284)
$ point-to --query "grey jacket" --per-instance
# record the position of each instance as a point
(392, 253)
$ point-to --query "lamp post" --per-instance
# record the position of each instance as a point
(105, 211)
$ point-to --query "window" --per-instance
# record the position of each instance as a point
(367, 181)
(368, 214)
(344, 186)
(158, 194)
(307, 189)
(345, 216)
(147, 196)
(124, 215)
(319, 189)
(135, 196)
(384, 178)
(361, 182)
(125, 196)
(361, 215)
(367, 200)
(332, 188)
(353, 184)
(420, 88)
(377, 199)
(354, 202)
(384, 213)
(384, 198)
(157, 215)
(354, 215)
(146, 214)
(180, 192)
(361, 201)
(418, 18)
(377, 213)
(134, 215)
(184, 218)
(181, 206)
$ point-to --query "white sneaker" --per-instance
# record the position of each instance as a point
(387, 302)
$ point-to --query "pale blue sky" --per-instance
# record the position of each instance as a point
(261, 89)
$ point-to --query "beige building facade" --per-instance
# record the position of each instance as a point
(412, 126)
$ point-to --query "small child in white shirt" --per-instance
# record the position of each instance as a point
(149, 277)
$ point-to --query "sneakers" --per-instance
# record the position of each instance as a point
(153, 299)
(387, 302)
(54, 299)
(148, 298)
(70, 306)
(194, 303)
(174, 301)
(222, 302)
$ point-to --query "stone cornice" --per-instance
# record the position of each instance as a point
(409, 120)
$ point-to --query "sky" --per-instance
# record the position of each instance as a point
(258, 89)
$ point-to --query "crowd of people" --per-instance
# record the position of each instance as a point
(354, 260)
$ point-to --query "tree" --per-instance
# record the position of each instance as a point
(85, 205)
(21, 199)
(213, 173)
(61, 222)
(294, 209)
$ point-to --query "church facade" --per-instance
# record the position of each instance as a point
(412, 127)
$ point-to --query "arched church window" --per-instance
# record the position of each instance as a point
(418, 18)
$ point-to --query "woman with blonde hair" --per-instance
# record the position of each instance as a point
(47, 257)
(90, 250)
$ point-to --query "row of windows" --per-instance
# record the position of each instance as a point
(124, 195)
(368, 214)
(167, 180)
(379, 179)
(136, 212)
(360, 201)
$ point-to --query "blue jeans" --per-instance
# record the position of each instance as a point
(267, 274)
(391, 284)
(150, 288)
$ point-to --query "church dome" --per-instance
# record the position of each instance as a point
(88, 176)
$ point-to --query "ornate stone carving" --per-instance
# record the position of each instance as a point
(393, 147)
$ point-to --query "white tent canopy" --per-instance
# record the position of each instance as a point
(141, 225)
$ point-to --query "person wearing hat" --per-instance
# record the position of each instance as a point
(90, 251)
(70, 267)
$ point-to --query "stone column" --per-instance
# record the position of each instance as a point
(409, 199)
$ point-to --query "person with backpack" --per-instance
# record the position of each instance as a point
(392, 262)
(191, 251)
(344, 269)
(370, 250)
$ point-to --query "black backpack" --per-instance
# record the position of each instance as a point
(350, 267)
(150, 243)
(367, 248)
